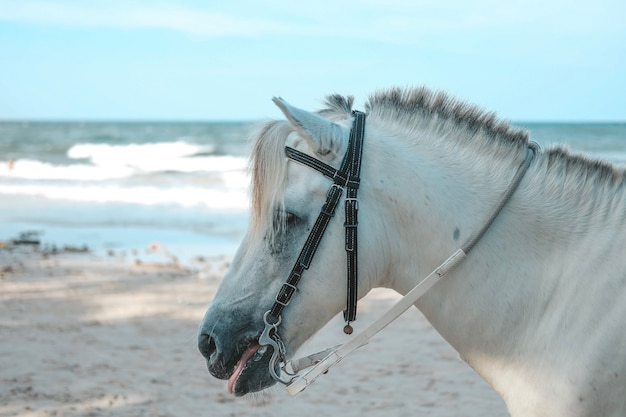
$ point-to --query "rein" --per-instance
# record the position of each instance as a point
(348, 177)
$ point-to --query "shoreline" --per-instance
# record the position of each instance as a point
(155, 233)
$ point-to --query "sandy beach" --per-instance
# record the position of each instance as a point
(92, 336)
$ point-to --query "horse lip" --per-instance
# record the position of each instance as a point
(247, 354)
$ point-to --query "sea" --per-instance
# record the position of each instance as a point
(176, 189)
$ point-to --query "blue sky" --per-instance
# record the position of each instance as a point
(537, 60)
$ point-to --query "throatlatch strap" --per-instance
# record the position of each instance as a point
(346, 176)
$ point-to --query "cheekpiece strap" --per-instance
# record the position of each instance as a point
(355, 156)
(347, 176)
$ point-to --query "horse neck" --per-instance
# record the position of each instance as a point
(439, 192)
(555, 231)
(544, 262)
(437, 196)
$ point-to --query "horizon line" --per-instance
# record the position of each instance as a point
(257, 120)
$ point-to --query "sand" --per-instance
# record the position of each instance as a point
(87, 336)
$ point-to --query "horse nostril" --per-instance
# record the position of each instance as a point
(206, 345)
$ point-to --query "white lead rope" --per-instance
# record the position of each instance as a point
(332, 356)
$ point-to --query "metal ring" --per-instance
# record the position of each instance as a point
(267, 313)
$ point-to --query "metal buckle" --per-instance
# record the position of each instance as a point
(355, 200)
(335, 185)
(285, 303)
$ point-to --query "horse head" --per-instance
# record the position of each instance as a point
(287, 198)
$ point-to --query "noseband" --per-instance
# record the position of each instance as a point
(347, 176)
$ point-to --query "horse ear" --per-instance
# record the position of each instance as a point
(323, 135)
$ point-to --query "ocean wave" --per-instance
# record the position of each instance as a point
(33, 170)
(179, 156)
(106, 169)
(210, 198)
(104, 153)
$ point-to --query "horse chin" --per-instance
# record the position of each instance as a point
(251, 373)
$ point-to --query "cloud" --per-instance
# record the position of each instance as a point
(397, 21)
(114, 15)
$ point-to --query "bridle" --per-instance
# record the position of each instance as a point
(348, 177)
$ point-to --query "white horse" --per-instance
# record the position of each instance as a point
(538, 308)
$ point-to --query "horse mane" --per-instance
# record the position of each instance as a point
(417, 106)
(415, 110)
(584, 173)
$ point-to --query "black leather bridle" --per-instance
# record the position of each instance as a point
(347, 176)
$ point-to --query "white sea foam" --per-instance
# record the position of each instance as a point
(121, 161)
(29, 169)
(195, 164)
(132, 152)
(210, 198)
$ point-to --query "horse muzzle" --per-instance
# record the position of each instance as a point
(240, 360)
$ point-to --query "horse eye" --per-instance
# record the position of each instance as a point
(290, 218)
(285, 218)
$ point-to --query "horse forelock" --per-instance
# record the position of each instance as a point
(268, 169)
(268, 164)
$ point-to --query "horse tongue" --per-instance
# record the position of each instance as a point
(247, 354)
